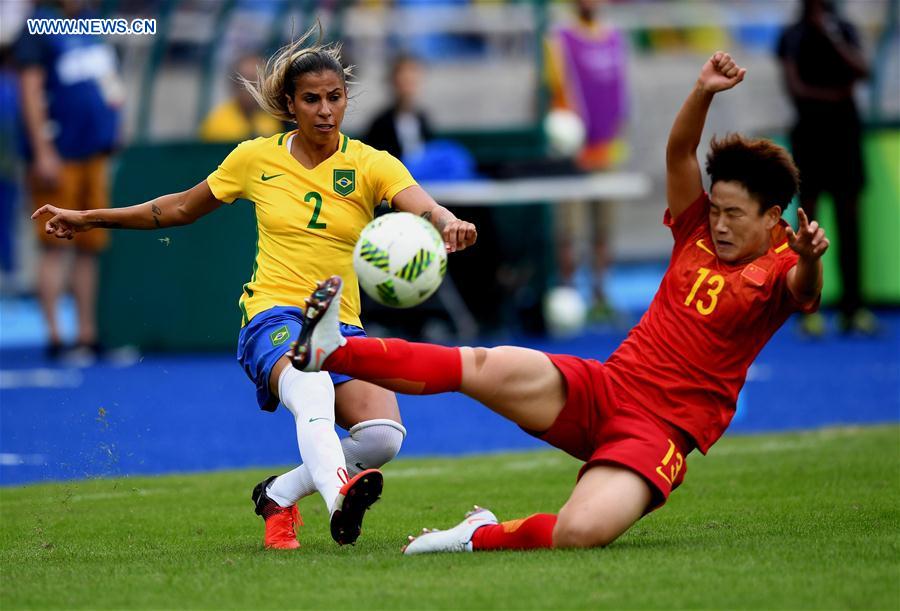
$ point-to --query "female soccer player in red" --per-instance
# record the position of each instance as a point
(313, 190)
(737, 272)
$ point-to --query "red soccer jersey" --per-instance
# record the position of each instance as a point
(687, 359)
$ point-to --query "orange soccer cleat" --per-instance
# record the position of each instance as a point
(280, 521)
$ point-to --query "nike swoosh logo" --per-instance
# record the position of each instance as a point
(265, 178)
(360, 466)
(319, 353)
(314, 419)
(703, 246)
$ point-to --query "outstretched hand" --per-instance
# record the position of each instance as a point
(63, 223)
(720, 73)
(809, 240)
(458, 235)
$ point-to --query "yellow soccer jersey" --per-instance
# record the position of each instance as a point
(307, 221)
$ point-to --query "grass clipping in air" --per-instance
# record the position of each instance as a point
(806, 520)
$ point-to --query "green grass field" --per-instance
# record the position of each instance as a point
(806, 520)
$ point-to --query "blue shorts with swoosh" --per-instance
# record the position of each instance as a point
(266, 338)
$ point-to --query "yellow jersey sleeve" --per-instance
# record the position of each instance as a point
(390, 176)
(228, 182)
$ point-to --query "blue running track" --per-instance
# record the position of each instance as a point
(178, 413)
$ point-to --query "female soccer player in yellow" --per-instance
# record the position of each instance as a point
(313, 190)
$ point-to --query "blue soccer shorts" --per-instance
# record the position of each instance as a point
(266, 338)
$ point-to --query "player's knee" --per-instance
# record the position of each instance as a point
(378, 441)
(570, 531)
(306, 394)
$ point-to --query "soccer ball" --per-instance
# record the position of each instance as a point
(400, 260)
(565, 312)
(565, 132)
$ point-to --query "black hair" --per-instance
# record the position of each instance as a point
(765, 169)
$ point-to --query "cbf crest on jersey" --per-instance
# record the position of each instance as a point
(344, 182)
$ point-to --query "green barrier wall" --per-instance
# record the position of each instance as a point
(879, 224)
(177, 289)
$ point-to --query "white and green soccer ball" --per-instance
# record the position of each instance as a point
(565, 311)
(565, 132)
(400, 260)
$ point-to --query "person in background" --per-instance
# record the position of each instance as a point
(402, 128)
(70, 99)
(822, 61)
(9, 137)
(239, 117)
(586, 72)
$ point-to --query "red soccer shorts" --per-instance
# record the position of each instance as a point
(595, 428)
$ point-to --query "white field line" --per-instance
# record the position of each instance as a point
(788, 445)
(529, 464)
(11, 459)
(40, 378)
(522, 464)
(769, 447)
(102, 496)
(519, 464)
(401, 473)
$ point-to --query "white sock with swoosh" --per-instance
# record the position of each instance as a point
(310, 397)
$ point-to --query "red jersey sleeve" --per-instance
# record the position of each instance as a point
(785, 263)
(688, 221)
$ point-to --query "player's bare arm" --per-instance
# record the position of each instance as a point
(457, 234)
(804, 280)
(683, 179)
(170, 210)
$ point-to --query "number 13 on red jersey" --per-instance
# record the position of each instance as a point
(669, 469)
(705, 302)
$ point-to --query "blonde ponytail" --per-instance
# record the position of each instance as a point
(275, 82)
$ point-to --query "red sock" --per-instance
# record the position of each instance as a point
(533, 532)
(413, 369)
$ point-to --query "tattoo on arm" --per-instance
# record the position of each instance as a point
(156, 213)
(107, 225)
(440, 220)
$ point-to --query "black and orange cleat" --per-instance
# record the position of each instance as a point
(355, 497)
(280, 521)
(321, 333)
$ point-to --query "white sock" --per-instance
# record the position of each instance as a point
(371, 444)
(310, 397)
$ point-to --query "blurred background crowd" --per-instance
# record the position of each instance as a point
(520, 94)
